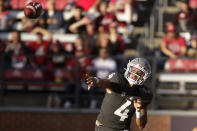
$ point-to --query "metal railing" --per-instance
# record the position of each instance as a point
(78, 96)
(44, 88)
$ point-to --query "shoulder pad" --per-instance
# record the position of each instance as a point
(115, 78)
(114, 74)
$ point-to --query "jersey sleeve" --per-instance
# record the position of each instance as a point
(115, 82)
(113, 77)
(146, 95)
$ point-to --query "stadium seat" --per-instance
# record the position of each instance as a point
(26, 74)
(24, 77)
(14, 78)
(15, 4)
(15, 74)
(60, 4)
(34, 78)
(20, 4)
(86, 4)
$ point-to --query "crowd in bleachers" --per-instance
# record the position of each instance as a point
(102, 28)
(180, 40)
(99, 28)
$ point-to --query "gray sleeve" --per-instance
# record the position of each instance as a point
(146, 95)
(113, 77)
(115, 82)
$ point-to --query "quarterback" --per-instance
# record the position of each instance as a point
(125, 96)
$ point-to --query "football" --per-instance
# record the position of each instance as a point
(33, 10)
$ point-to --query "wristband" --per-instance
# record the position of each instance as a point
(96, 79)
(138, 114)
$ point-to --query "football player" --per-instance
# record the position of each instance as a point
(125, 96)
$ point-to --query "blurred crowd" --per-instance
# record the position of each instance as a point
(103, 29)
(180, 40)
(98, 27)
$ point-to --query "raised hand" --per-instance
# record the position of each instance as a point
(91, 81)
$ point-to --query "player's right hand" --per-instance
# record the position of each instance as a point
(90, 81)
(138, 104)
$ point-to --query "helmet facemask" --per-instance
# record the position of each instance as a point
(134, 77)
(136, 73)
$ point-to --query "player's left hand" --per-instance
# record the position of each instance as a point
(137, 104)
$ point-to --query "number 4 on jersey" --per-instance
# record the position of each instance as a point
(122, 111)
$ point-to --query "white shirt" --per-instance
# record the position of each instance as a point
(104, 67)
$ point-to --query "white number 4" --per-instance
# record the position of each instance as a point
(122, 111)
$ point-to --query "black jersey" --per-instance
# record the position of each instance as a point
(117, 107)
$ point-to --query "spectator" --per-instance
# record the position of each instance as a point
(6, 4)
(115, 39)
(3, 17)
(185, 27)
(57, 55)
(123, 10)
(27, 25)
(192, 49)
(80, 45)
(68, 10)
(184, 17)
(184, 23)
(54, 18)
(56, 61)
(173, 45)
(189, 8)
(15, 52)
(39, 48)
(105, 18)
(192, 4)
(103, 64)
(79, 62)
(2, 44)
(68, 48)
(125, 14)
(90, 36)
(104, 42)
(41, 22)
(93, 8)
(77, 23)
(117, 43)
(184, 7)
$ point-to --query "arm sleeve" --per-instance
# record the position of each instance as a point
(146, 96)
(115, 82)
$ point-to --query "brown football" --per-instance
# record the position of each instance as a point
(33, 10)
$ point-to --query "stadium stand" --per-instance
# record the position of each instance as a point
(35, 97)
(176, 77)
(47, 77)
